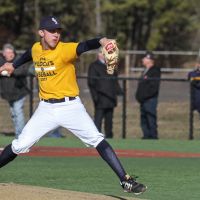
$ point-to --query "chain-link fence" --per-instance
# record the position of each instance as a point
(173, 108)
(174, 98)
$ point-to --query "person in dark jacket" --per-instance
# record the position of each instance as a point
(194, 77)
(147, 96)
(104, 93)
(14, 89)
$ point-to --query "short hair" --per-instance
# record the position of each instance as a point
(8, 46)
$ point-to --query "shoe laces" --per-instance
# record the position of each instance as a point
(129, 182)
(131, 177)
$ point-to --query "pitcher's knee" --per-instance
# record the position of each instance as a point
(20, 146)
(94, 141)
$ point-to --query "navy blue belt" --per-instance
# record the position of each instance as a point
(52, 100)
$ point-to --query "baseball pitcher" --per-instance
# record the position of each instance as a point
(60, 104)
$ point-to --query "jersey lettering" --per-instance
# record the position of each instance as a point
(55, 70)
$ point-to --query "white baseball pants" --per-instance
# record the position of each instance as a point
(69, 114)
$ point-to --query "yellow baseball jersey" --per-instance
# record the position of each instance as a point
(55, 70)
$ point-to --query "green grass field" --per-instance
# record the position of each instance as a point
(166, 178)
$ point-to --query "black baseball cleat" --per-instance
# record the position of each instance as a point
(129, 184)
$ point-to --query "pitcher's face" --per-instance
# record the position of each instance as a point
(50, 38)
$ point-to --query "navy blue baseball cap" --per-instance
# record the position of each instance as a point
(149, 55)
(49, 23)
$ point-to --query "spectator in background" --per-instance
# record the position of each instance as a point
(194, 77)
(14, 89)
(147, 96)
(104, 94)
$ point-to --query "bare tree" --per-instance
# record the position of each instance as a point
(98, 17)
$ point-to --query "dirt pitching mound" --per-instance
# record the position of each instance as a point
(25, 192)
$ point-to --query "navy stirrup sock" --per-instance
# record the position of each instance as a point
(108, 154)
(7, 155)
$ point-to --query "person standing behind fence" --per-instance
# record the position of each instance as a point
(104, 90)
(194, 77)
(147, 96)
(14, 89)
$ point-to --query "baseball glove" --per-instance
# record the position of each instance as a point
(110, 52)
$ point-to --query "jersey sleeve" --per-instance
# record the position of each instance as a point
(88, 45)
(69, 52)
(24, 58)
